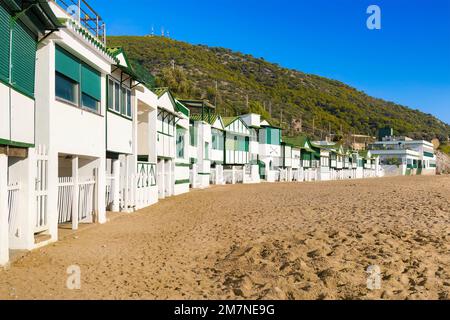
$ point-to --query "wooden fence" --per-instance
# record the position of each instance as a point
(86, 199)
(13, 196)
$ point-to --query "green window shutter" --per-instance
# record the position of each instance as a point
(91, 82)
(247, 144)
(23, 57)
(4, 44)
(269, 136)
(67, 64)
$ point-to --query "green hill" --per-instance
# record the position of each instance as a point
(231, 79)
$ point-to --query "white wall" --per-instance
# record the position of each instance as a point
(22, 118)
(119, 134)
(4, 112)
(16, 116)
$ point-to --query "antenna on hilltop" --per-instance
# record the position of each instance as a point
(153, 31)
(168, 34)
(162, 31)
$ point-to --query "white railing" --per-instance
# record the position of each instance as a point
(109, 191)
(41, 189)
(228, 176)
(86, 206)
(81, 11)
(86, 199)
(65, 199)
(13, 196)
(141, 191)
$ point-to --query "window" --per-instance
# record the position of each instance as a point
(247, 144)
(89, 102)
(193, 135)
(273, 136)
(111, 94)
(116, 97)
(180, 142)
(119, 98)
(123, 101)
(217, 139)
(17, 54)
(75, 79)
(129, 103)
(66, 88)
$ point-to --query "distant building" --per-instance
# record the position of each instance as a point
(404, 156)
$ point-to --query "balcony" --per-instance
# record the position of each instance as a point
(86, 16)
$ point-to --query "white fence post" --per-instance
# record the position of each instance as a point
(75, 194)
(100, 206)
(115, 185)
(4, 232)
(233, 175)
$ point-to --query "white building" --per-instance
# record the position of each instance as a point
(270, 153)
(22, 26)
(202, 122)
(71, 101)
(405, 156)
(172, 139)
(240, 162)
(130, 139)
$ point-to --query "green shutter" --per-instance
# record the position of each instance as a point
(4, 44)
(67, 64)
(23, 58)
(91, 82)
(269, 136)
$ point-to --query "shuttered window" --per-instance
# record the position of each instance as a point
(17, 63)
(67, 64)
(23, 58)
(86, 80)
(4, 44)
(91, 82)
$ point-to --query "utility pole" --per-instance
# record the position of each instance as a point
(246, 102)
(270, 108)
(172, 62)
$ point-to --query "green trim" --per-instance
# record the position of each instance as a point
(119, 114)
(192, 160)
(165, 134)
(185, 181)
(182, 164)
(16, 143)
(203, 173)
(428, 154)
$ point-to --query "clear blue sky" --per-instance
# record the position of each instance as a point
(407, 61)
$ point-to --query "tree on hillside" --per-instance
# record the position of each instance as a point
(176, 80)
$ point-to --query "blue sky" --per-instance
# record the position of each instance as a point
(407, 61)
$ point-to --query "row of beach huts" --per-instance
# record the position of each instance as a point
(81, 134)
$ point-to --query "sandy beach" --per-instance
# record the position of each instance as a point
(266, 241)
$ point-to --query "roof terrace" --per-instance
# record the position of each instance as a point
(86, 16)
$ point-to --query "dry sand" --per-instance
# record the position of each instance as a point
(282, 241)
